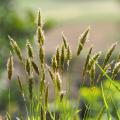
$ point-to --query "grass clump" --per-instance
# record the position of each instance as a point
(36, 98)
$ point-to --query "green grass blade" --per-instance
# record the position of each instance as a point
(113, 82)
(117, 112)
(106, 105)
(99, 117)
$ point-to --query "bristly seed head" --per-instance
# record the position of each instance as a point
(108, 55)
(58, 57)
(62, 57)
(15, 48)
(116, 70)
(69, 53)
(29, 49)
(87, 62)
(30, 81)
(39, 21)
(28, 66)
(93, 60)
(41, 55)
(64, 40)
(40, 36)
(54, 63)
(10, 66)
(35, 67)
(83, 39)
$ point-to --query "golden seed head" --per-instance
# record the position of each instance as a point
(39, 21)
(62, 57)
(83, 39)
(10, 66)
(28, 66)
(58, 56)
(116, 70)
(64, 40)
(87, 61)
(54, 63)
(40, 36)
(35, 67)
(109, 53)
(30, 81)
(69, 53)
(41, 55)
(15, 48)
(93, 60)
(29, 49)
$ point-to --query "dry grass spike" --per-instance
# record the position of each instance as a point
(83, 39)
(10, 66)
(16, 48)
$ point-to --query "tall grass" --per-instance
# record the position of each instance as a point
(36, 100)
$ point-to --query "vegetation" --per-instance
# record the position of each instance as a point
(95, 94)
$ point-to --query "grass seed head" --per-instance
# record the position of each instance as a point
(39, 21)
(64, 40)
(58, 56)
(43, 71)
(108, 55)
(29, 49)
(116, 70)
(40, 36)
(10, 66)
(54, 63)
(15, 48)
(62, 57)
(30, 81)
(41, 55)
(87, 62)
(69, 53)
(35, 67)
(83, 39)
(28, 66)
(93, 60)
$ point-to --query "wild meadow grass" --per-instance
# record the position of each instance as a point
(36, 98)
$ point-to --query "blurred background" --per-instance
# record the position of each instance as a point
(18, 18)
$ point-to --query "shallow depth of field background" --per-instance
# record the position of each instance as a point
(18, 18)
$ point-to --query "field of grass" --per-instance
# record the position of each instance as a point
(41, 78)
(95, 100)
